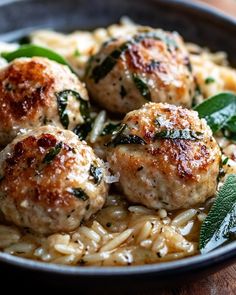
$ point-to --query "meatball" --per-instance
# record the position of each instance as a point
(50, 181)
(35, 92)
(166, 157)
(128, 72)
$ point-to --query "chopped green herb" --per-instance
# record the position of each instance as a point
(179, 134)
(52, 153)
(84, 108)
(77, 53)
(209, 80)
(80, 194)
(225, 161)
(128, 139)
(89, 65)
(119, 131)
(62, 100)
(82, 130)
(219, 226)
(157, 122)
(122, 91)
(142, 87)
(96, 173)
(61, 105)
(109, 128)
(120, 138)
(101, 70)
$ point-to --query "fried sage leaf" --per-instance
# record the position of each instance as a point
(179, 134)
(142, 87)
(101, 70)
(209, 80)
(219, 111)
(109, 128)
(61, 105)
(80, 194)
(52, 153)
(96, 173)
(119, 138)
(219, 226)
(127, 139)
(82, 130)
(62, 100)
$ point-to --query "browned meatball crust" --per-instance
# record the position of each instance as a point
(128, 72)
(50, 181)
(166, 157)
(31, 91)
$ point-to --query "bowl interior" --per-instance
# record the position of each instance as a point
(196, 24)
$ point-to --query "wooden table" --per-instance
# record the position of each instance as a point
(228, 6)
(221, 283)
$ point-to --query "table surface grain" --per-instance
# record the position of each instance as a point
(221, 283)
(228, 6)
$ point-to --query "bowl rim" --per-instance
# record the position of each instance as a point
(202, 8)
(200, 261)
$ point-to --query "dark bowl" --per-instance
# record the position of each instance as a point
(196, 23)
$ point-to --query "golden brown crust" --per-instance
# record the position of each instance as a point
(28, 96)
(177, 163)
(24, 88)
(189, 157)
(160, 65)
(161, 117)
(46, 182)
(159, 62)
(189, 160)
(27, 162)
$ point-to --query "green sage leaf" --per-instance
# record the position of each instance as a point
(220, 224)
(31, 50)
